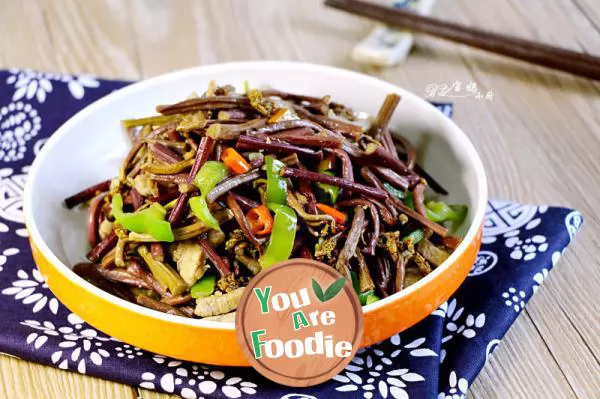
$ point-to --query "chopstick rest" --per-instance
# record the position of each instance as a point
(385, 45)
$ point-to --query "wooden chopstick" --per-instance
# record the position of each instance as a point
(580, 64)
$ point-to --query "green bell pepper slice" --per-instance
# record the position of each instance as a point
(276, 185)
(150, 220)
(439, 212)
(204, 287)
(328, 191)
(209, 175)
(283, 235)
(201, 211)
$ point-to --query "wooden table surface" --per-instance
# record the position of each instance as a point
(539, 138)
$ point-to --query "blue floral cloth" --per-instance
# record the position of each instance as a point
(440, 357)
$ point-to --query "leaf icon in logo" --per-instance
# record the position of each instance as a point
(334, 289)
(318, 290)
(330, 292)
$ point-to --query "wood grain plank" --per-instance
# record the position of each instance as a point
(521, 353)
(27, 22)
(91, 37)
(165, 34)
(567, 339)
(21, 379)
(591, 13)
(538, 145)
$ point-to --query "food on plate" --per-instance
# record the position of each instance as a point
(220, 186)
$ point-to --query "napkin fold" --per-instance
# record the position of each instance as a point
(437, 358)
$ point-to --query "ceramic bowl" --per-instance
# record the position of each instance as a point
(89, 147)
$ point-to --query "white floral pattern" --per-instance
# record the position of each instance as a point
(128, 351)
(78, 346)
(573, 221)
(525, 249)
(374, 371)
(455, 325)
(11, 194)
(8, 252)
(458, 388)
(19, 123)
(514, 299)
(32, 290)
(538, 278)
(486, 260)
(31, 85)
(490, 348)
(504, 216)
(188, 379)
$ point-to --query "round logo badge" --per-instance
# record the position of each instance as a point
(299, 322)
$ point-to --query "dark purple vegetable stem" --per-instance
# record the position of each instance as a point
(335, 181)
(87, 194)
(275, 146)
(221, 264)
(103, 247)
(163, 153)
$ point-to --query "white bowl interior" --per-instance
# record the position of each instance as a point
(90, 146)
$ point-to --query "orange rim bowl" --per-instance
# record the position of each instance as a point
(57, 235)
